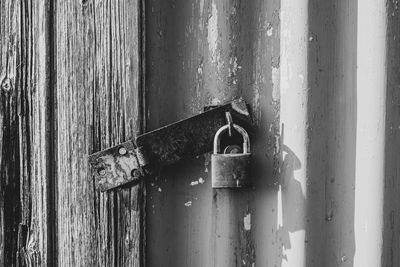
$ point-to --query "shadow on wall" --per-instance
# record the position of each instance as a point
(319, 210)
(292, 196)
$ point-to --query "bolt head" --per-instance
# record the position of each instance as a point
(135, 173)
(122, 151)
(101, 171)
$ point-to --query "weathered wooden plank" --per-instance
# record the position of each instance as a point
(99, 104)
(25, 135)
(9, 192)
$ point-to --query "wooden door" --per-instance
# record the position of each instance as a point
(70, 74)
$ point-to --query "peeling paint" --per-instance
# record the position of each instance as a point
(215, 101)
(200, 181)
(212, 36)
(270, 30)
(256, 104)
(200, 69)
(193, 183)
(229, 58)
(275, 84)
(234, 67)
(247, 222)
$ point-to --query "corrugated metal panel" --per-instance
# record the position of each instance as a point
(322, 86)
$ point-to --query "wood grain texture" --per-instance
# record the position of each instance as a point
(25, 135)
(99, 104)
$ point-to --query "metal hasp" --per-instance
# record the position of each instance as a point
(131, 160)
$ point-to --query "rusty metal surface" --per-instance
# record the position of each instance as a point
(163, 146)
(206, 53)
(192, 136)
(116, 166)
(230, 170)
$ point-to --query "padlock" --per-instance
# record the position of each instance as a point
(231, 170)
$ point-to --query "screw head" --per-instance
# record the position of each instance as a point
(122, 150)
(135, 173)
(101, 171)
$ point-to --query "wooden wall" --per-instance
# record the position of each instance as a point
(70, 73)
(26, 137)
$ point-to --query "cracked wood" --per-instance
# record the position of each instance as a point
(99, 104)
(25, 123)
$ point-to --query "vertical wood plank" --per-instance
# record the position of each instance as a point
(25, 135)
(99, 104)
(9, 194)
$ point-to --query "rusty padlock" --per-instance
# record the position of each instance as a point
(231, 170)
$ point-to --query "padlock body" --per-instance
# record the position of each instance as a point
(230, 170)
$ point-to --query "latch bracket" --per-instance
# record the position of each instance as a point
(131, 160)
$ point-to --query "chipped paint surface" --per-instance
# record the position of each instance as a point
(270, 30)
(211, 52)
(212, 33)
(197, 182)
(194, 183)
(275, 84)
(247, 222)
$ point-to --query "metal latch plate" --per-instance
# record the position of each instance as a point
(164, 146)
(115, 166)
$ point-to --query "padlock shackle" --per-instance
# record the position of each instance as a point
(242, 131)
